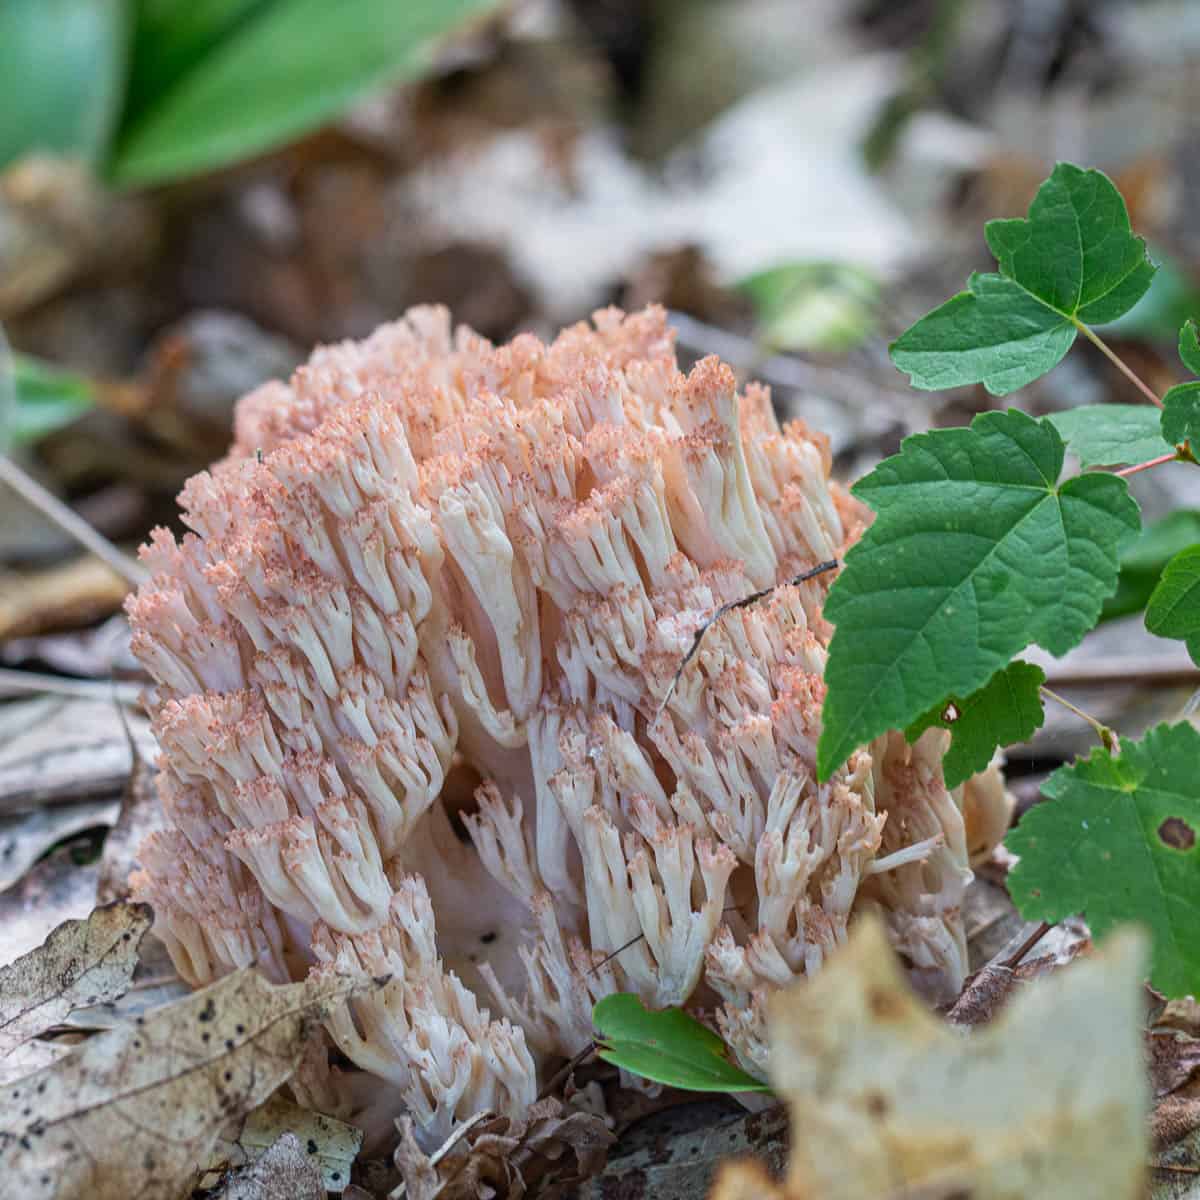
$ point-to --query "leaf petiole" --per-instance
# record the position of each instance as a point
(1108, 738)
(1145, 466)
(1117, 362)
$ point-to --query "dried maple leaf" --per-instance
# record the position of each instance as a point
(136, 1111)
(1048, 1100)
(81, 962)
(283, 1172)
(550, 1147)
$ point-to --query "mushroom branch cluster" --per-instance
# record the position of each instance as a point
(418, 692)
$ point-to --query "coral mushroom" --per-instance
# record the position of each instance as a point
(416, 691)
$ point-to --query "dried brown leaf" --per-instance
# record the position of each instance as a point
(1174, 1060)
(549, 1148)
(25, 837)
(136, 1111)
(81, 962)
(1046, 1101)
(284, 1171)
(331, 1144)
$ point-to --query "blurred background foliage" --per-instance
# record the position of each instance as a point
(193, 192)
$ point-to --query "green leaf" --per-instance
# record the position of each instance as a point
(171, 38)
(1143, 560)
(62, 76)
(1117, 841)
(1181, 404)
(1108, 435)
(1189, 346)
(1174, 607)
(667, 1047)
(995, 334)
(817, 306)
(976, 552)
(1072, 261)
(1181, 413)
(47, 398)
(288, 67)
(1007, 709)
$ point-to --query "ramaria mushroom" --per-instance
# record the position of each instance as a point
(432, 567)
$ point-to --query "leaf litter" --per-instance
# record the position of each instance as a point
(137, 1110)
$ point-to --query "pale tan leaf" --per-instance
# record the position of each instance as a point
(284, 1171)
(136, 1111)
(1049, 1100)
(331, 1144)
(81, 962)
(25, 837)
(32, 1056)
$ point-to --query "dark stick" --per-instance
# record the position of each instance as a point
(724, 609)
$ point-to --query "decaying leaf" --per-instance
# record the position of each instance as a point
(25, 837)
(56, 749)
(55, 890)
(1047, 1101)
(81, 962)
(140, 814)
(135, 1111)
(332, 1145)
(284, 1171)
(550, 1148)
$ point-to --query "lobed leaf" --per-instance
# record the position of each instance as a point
(1074, 260)
(1109, 435)
(1189, 346)
(666, 1046)
(976, 552)
(1007, 709)
(1145, 558)
(1117, 841)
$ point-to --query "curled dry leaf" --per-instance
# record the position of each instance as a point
(140, 814)
(1049, 1100)
(549, 1148)
(25, 837)
(332, 1145)
(284, 1171)
(81, 962)
(136, 1111)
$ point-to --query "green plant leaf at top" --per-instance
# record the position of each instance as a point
(977, 551)
(1108, 435)
(1173, 610)
(62, 76)
(1117, 841)
(668, 1047)
(288, 67)
(1007, 709)
(1073, 261)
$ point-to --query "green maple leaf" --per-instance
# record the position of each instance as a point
(1181, 404)
(1117, 841)
(976, 552)
(1108, 435)
(666, 1046)
(1173, 610)
(1072, 262)
(1007, 709)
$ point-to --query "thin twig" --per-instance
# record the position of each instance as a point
(742, 602)
(1014, 959)
(1107, 737)
(566, 1070)
(1119, 363)
(71, 523)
